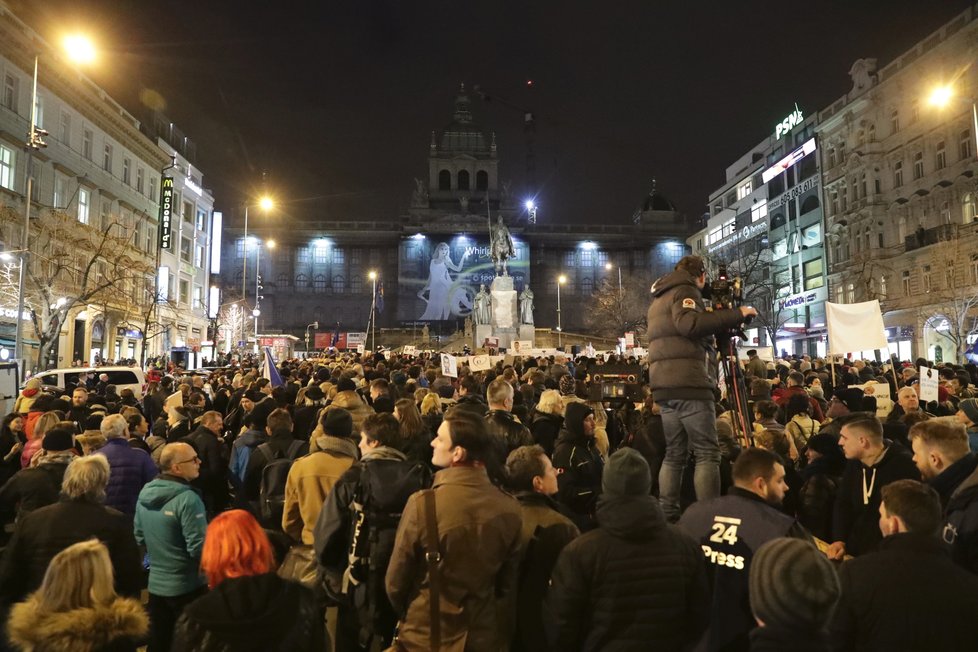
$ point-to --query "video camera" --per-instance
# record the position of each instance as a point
(616, 382)
(728, 294)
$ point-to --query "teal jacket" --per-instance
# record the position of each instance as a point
(170, 522)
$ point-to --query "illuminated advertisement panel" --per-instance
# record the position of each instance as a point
(439, 274)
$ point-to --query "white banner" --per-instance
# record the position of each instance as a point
(479, 363)
(855, 327)
(880, 391)
(928, 384)
(409, 350)
(449, 365)
(353, 339)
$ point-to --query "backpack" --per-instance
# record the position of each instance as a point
(271, 496)
(382, 492)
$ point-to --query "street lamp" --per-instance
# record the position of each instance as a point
(258, 286)
(265, 203)
(560, 281)
(608, 267)
(373, 312)
(941, 96)
(78, 50)
(314, 325)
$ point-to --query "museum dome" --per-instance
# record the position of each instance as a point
(463, 135)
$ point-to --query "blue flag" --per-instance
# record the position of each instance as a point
(269, 370)
(380, 298)
(336, 335)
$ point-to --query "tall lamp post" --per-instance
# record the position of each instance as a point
(560, 281)
(79, 50)
(258, 286)
(266, 204)
(373, 312)
(608, 267)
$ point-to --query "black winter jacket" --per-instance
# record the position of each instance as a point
(579, 466)
(45, 532)
(910, 574)
(635, 583)
(961, 528)
(259, 613)
(32, 488)
(856, 521)
(682, 352)
(545, 427)
(508, 433)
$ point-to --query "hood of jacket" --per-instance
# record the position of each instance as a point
(348, 399)
(159, 491)
(673, 279)
(260, 601)
(77, 630)
(630, 517)
(574, 416)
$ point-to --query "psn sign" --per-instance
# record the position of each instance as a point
(785, 126)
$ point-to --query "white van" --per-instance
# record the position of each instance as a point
(122, 377)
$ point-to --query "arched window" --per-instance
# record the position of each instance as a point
(283, 281)
(482, 180)
(444, 180)
(463, 180)
(339, 284)
(587, 286)
(302, 283)
(968, 208)
(777, 220)
(319, 283)
(809, 204)
(356, 285)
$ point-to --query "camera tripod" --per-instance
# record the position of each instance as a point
(733, 377)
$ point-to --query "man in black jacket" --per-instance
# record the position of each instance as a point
(683, 377)
(636, 582)
(579, 465)
(945, 461)
(873, 463)
(279, 445)
(730, 529)
(505, 428)
(470, 396)
(212, 482)
(908, 595)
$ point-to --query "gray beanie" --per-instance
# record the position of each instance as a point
(626, 474)
(793, 585)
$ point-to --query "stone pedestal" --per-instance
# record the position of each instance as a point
(505, 322)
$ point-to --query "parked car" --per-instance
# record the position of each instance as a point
(122, 377)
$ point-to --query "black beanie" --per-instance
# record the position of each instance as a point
(57, 439)
(337, 422)
(626, 474)
(792, 585)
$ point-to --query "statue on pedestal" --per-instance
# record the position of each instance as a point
(419, 198)
(482, 306)
(425, 333)
(501, 247)
(526, 306)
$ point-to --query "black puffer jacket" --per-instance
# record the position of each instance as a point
(635, 583)
(508, 430)
(682, 353)
(259, 612)
(545, 427)
(579, 466)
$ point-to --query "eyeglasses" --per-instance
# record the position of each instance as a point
(192, 459)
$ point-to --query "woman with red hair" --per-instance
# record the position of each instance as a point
(249, 607)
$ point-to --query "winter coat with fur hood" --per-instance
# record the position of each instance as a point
(120, 626)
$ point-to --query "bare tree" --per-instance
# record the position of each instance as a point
(71, 264)
(612, 311)
(952, 293)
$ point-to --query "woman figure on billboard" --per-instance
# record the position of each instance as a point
(440, 284)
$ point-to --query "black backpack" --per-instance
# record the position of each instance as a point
(383, 491)
(271, 496)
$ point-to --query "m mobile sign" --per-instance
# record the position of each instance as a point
(166, 212)
(802, 299)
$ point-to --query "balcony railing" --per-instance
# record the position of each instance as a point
(925, 237)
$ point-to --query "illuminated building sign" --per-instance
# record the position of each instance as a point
(166, 212)
(217, 226)
(807, 148)
(802, 299)
(743, 235)
(797, 191)
(793, 120)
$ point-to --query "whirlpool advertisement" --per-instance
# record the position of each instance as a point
(438, 275)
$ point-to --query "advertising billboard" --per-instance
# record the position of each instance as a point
(439, 274)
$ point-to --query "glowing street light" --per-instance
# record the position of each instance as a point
(531, 209)
(265, 203)
(372, 275)
(79, 48)
(560, 281)
(940, 97)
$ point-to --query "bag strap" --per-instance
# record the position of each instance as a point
(432, 558)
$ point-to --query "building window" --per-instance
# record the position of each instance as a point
(964, 145)
(587, 286)
(198, 298)
(945, 213)
(940, 159)
(813, 274)
(744, 189)
(10, 84)
(338, 257)
(356, 285)
(140, 180)
(127, 171)
(150, 238)
(842, 152)
(974, 268)
(482, 180)
(321, 256)
(905, 282)
(7, 169)
(188, 212)
(303, 255)
(184, 291)
(918, 165)
(201, 223)
(107, 158)
(239, 248)
(851, 293)
(84, 205)
(444, 180)
(894, 121)
(928, 281)
(586, 257)
(729, 227)
(570, 260)
(302, 283)
(898, 174)
(914, 110)
(152, 189)
(949, 274)
(714, 236)
(838, 294)
(339, 284)
(283, 281)
(319, 283)
(66, 128)
(199, 256)
(463, 180)
(185, 246)
(758, 211)
(88, 144)
(882, 286)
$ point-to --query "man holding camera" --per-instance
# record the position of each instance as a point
(683, 377)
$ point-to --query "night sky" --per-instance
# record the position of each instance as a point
(335, 101)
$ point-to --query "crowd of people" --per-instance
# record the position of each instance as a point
(392, 506)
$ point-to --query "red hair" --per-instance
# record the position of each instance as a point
(235, 546)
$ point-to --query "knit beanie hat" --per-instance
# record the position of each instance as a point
(626, 474)
(567, 385)
(851, 397)
(338, 423)
(793, 585)
(970, 408)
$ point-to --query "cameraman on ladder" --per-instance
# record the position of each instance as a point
(683, 377)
